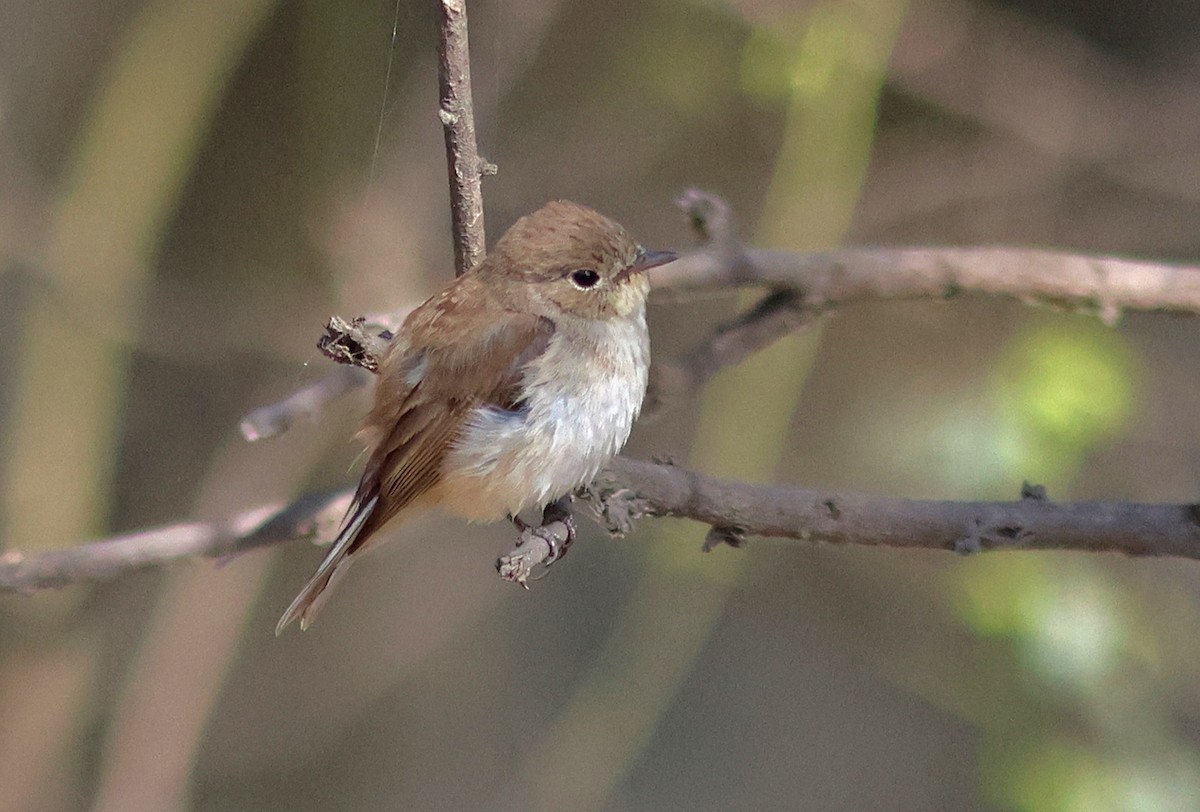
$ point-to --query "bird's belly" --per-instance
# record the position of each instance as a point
(508, 461)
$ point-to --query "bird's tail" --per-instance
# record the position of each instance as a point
(337, 561)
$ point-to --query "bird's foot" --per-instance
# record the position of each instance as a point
(539, 546)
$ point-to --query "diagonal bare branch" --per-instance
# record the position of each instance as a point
(776, 315)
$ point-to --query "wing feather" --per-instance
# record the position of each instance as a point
(306, 605)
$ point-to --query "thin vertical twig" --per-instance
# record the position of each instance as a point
(457, 113)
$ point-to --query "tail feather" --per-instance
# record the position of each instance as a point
(312, 597)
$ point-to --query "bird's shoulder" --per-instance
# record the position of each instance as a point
(465, 341)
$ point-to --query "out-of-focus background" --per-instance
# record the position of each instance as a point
(188, 188)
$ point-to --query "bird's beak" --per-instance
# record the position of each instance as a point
(646, 260)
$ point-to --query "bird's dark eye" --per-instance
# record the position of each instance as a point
(585, 278)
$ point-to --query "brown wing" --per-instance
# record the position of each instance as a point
(457, 351)
(453, 353)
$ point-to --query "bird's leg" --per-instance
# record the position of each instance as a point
(560, 511)
(543, 544)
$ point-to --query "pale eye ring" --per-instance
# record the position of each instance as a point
(585, 278)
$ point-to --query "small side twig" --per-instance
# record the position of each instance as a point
(352, 343)
(780, 312)
(711, 217)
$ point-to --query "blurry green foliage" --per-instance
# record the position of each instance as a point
(1060, 775)
(1065, 619)
(1062, 388)
(770, 60)
(800, 54)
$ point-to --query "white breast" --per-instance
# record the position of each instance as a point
(582, 396)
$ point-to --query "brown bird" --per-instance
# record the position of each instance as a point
(507, 390)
